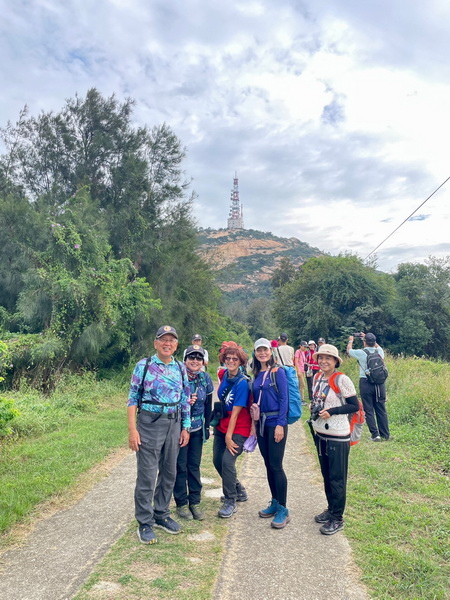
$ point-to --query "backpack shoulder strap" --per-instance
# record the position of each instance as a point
(281, 358)
(183, 380)
(273, 378)
(334, 382)
(141, 385)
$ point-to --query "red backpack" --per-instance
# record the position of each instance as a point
(356, 419)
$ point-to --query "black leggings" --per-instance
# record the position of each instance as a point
(273, 453)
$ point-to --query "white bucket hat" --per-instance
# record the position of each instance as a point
(328, 350)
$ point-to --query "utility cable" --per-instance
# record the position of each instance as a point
(407, 218)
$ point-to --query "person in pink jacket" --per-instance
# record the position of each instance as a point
(300, 366)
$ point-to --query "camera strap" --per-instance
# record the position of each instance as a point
(320, 391)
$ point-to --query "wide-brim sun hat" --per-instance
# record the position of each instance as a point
(262, 343)
(328, 350)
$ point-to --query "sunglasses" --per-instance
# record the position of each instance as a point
(231, 358)
(194, 357)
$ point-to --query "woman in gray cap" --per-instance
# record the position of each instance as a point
(188, 485)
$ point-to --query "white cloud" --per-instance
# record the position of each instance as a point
(335, 115)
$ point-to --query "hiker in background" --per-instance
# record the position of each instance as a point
(197, 341)
(311, 366)
(320, 341)
(284, 357)
(300, 364)
(159, 396)
(329, 419)
(284, 354)
(373, 396)
(233, 427)
(188, 485)
(271, 428)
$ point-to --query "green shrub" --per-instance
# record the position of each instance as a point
(7, 413)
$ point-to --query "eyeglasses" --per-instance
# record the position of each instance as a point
(231, 359)
(194, 357)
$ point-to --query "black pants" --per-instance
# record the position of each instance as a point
(309, 382)
(188, 485)
(374, 401)
(225, 462)
(333, 458)
(273, 453)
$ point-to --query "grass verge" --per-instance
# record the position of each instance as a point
(54, 441)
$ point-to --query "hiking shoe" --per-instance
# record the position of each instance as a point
(270, 511)
(228, 508)
(197, 512)
(281, 518)
(183, 512)
(146, 534)
(332, 526)
(169, 525)
(376, 438)
(323, 517)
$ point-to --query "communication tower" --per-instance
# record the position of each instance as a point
(236, 215)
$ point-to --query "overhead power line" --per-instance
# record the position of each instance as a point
(407, 218)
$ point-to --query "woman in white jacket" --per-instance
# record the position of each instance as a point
(334, 398)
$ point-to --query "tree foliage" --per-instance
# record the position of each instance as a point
(101, 244)
(334, 295)
(422, 308)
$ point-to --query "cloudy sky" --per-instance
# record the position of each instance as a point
(335, 114)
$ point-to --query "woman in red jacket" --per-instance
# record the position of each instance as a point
(312, 367)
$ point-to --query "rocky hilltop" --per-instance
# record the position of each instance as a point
(244, 260)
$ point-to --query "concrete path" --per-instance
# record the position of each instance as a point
(259, 562)
(297, 562)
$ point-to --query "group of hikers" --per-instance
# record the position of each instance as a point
(171, 412)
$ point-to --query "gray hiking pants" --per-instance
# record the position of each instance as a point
(156, 466)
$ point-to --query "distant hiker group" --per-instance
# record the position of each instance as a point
(171, 410)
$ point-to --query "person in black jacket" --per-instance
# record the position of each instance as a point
(188, 486)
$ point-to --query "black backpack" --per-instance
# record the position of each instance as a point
(376, 371)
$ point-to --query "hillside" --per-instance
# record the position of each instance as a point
(244, 260)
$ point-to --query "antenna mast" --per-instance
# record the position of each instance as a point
(236, 215)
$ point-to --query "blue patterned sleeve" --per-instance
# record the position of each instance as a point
(136, 378)
(184, 401)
